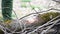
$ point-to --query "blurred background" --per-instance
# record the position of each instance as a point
(23, 8)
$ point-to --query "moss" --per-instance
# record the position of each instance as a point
(46, 16)
(1, 32)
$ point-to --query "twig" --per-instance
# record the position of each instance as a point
(45, 24)
(55, 22)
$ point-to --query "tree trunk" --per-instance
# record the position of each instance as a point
(7, 9)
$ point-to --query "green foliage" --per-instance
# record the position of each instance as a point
(26, 0)
(34, 6)
(23, 5)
